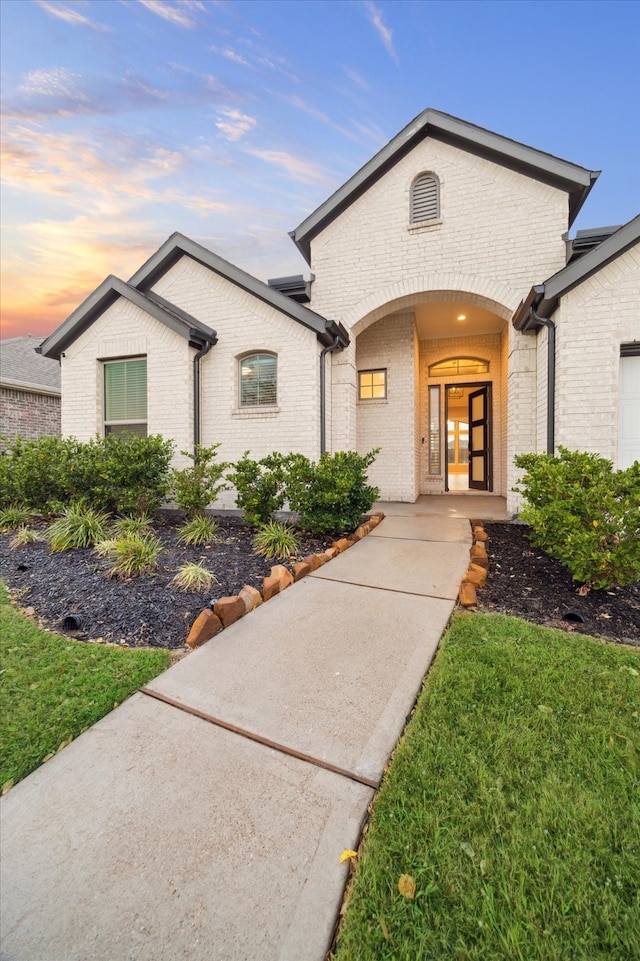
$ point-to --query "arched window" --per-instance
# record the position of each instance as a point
(458, 367)
(425, 198)
(258, 380)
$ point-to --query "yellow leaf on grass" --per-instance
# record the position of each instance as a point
(385, 929)
(406, 886)
(347, 856)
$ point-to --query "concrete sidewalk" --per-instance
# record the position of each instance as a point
(159, 835)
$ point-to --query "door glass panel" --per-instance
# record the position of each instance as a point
(477, 469)
(477, 437)
(477, 407)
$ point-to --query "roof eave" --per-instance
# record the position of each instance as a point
(178, 245)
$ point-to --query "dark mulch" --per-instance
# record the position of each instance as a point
(147, 611)
(143, 611)
(526, 582)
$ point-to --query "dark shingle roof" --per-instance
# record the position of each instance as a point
(21, 366)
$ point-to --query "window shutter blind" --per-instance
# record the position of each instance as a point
(425, 200)
(125, 390)
(258, 381)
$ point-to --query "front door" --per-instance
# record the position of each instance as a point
(480, 439)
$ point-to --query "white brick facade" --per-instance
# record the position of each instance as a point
(499, 234)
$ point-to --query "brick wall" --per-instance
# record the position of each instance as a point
(498, 233)
(28, 414)
(591, 323)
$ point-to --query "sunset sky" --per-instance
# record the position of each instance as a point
(231, 120)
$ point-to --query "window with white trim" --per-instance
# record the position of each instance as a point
(372, 384)
(125, 397)
(259, 380)
(425, 198)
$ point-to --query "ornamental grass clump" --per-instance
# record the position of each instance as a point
(125, 526)
(78, 527)
(25, 536)
(198, 531)
(275, 540)
(11, 518)
(194, 577)
(134, 555)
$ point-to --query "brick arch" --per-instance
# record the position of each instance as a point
(499, 298)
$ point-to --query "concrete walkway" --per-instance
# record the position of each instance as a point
(159, 836)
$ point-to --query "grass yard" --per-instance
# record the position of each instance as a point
(513, 805)
(53, 688)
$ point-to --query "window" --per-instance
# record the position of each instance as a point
(372, 384)
(425, 198)
(258, 380)
(125, 397)
(456, 366)
(434, 430)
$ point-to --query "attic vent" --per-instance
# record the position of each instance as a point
(425, 198)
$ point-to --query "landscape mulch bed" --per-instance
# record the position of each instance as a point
(148, 611)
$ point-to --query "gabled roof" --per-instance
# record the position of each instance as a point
(177, 246)
(544, 298)
(23, 368)
(577, 181)
(106, 294)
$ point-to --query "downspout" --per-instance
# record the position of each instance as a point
(196, 391)
(323, 415)
(551, 377)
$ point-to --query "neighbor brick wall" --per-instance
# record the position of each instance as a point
(28, 414)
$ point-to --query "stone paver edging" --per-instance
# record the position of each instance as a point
(227, 610)
(475, 577)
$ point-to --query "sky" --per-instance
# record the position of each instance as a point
(232, 120)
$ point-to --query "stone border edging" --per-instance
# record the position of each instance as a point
(228, 610)
(475, 577)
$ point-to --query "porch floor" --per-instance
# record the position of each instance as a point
(486, 507)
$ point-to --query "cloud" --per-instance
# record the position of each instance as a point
(73, 17)
(236, 124)
(174, 13)
(356, 78)
(301, 170)
(383, 31)
(57, 82)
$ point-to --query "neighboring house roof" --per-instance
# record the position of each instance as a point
(177, 245)
(106, 294)
(22, 367)
(577, 181)
(544, 298)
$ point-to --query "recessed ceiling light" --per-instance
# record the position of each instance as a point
(462, 317)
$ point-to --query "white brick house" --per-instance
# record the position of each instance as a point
(449, 322)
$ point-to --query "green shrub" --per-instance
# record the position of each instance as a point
(275, 540)
(117, 474)
(194, 577)
(134, 554)
(260, 485)
(200, 530)
(195, 487)
(585, 514)
(78, 527)
(333, 494)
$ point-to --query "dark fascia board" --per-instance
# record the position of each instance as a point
(177, 246)
(575, 180)
(545, 297)
(106, 294)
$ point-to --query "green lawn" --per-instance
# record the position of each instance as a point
(513, 802)
(52, 688)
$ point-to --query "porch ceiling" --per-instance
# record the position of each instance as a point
(440, 320)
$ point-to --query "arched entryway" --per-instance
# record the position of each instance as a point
(431, 394)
